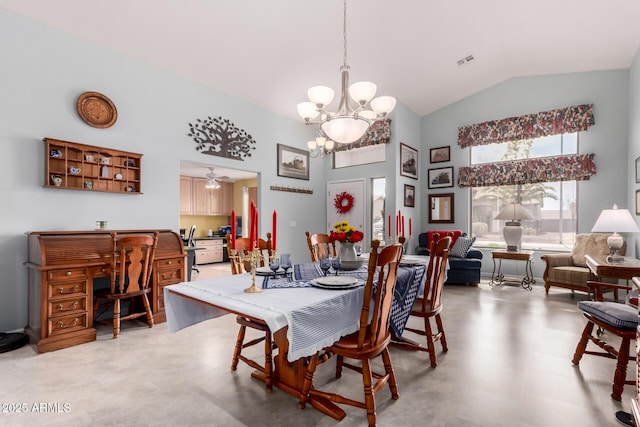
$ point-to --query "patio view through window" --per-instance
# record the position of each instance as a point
(552, 205)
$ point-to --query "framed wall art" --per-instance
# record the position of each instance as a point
(441, 208)
(409, 196)
(440, 154)
(440, 177)
(637, 202)
(638, 170)
(293, 162)
(408, 161)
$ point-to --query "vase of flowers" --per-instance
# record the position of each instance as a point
(346, 235)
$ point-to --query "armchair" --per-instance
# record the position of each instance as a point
(570, 270)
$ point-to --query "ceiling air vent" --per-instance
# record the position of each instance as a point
(465, 60)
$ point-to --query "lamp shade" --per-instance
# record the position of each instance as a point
(513, 212)
(615, 220)
(345, 130)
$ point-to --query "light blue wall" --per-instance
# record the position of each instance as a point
(42, 74)
(634, 137)
(608, 138)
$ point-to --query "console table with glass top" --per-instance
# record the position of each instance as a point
(499, 278)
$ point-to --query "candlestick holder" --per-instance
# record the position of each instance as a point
(255, 258)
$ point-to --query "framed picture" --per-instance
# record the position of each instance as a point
(408, 161)
(440, 154)
(637, 202)
(293, 162)
(638, 169)
(441, 177)
(441, 208)
(409, 195)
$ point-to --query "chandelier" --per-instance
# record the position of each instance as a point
(356, 111)
(321, 146)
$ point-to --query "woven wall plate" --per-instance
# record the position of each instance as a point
(97, 110)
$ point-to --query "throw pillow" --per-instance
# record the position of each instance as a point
(461, 247)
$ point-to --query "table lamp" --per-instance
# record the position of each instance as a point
(512, 231)
(612, 221)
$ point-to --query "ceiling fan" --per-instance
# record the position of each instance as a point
(213, 180)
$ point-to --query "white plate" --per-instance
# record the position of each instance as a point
(335, 288)
(266, 271)
(336, 280)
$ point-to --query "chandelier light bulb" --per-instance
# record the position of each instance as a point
(383, 105)
(320, 96)
(362, 92)
(307, 111)
(367, 114)
(312, 145)
(329, 145)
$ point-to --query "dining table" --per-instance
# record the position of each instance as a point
(303, 314)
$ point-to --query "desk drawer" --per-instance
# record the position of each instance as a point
(67, 289)
(67, 274)
(169, 276)
(66, 324)
(68, 307)
(102, 271)
(168, 263)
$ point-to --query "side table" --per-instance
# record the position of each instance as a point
(526, 256)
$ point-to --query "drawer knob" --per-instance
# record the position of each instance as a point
(170, 262)
(68, 273)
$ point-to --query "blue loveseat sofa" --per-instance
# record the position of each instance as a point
(462, 269)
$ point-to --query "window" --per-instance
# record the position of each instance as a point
(377, 208)
(552, 205)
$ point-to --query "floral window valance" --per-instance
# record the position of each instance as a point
(545, 123)
(378, 133)
(572, 167)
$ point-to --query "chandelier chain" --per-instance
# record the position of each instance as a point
(344, 33)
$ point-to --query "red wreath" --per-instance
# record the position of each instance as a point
(343, 202)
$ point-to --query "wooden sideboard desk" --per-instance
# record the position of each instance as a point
(61, 268)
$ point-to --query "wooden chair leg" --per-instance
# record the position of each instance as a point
(369, 397)
(238, 347)
(430, 345)
(147, 308)
(116, 317)
(443, 338)
(620, 375)
(339, 362)
(388, 368)
(582, 344)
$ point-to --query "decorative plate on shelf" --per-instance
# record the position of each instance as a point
(97, 110)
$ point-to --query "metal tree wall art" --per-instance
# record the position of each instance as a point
(220, 137)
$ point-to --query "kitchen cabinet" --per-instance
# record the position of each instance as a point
(203, 200)
(185, 195)
(210, 251)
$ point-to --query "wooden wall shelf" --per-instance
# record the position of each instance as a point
(75, 166)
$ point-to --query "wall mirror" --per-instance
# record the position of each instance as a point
(441, 208)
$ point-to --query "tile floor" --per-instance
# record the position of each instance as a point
(509, 364)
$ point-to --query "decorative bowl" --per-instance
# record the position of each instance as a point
(351, 265)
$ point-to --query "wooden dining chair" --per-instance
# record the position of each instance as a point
(320, 244)
(131, 264)
(429, 304)
(238, 264)
(370, 341)
(619, 319)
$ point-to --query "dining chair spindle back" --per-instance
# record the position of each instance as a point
(429, 304)
(238, 263)
(371, 340)
(320, 244)
(131, 263)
